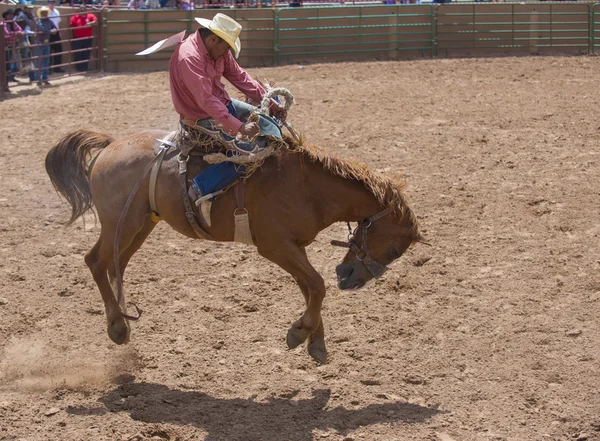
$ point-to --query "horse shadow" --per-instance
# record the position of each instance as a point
(275, 419)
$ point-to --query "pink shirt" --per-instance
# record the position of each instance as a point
(196, 87)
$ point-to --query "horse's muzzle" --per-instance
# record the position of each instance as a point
(348, 276)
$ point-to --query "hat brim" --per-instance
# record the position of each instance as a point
(235, 45)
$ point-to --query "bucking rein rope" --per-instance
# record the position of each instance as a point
(165, 144)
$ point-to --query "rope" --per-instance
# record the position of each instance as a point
(289, 100)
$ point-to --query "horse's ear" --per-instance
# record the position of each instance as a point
(421, 239)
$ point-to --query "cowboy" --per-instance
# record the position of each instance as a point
(196, 68)
(45, 28)
(25, 19)
(55, 39)
(199, 96)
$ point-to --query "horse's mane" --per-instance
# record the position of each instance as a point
(387, 192)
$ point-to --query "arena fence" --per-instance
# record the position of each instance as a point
(128, 32)
(338, 33)
(24, 56)
(321, 34)
(595, 40)
(477, 29)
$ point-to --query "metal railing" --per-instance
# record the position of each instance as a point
(342, 30)
(308, 34)
(512, 28)
(30, 58)
(144, 28)
(595, 25)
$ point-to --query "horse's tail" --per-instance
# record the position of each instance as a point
(68, 164)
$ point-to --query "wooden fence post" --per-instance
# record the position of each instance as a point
(3, 73)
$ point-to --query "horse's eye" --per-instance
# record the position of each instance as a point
(394, 253)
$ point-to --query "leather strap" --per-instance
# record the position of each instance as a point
(189, 212)
(374, 267)
(154, 175)
(381, 214)
(239, 194)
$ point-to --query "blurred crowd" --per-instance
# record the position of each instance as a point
(35, 40)
(156, 4)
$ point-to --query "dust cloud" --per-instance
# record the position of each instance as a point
(33, 364)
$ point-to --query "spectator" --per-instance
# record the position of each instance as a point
(11, 32)
(153, 4)
(55, 39)
(44, 27)
(295, 3)
(25, 19)
(136, 4)
(82, 33)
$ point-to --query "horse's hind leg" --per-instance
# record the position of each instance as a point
(100, 260)
(127, 254)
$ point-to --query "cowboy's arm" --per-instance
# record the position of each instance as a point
(241, 80)
(249, 86)
(17, 30)
(201, 88)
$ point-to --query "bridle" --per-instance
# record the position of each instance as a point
(363, 253)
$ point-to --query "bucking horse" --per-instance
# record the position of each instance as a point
(288, 198)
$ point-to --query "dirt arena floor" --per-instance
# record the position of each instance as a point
(490, 333)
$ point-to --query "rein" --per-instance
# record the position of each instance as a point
(375, 268)
(119, 278)
(132, 194)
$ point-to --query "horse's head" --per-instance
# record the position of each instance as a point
(377, 242)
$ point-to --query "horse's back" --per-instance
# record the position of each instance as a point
(120, 165)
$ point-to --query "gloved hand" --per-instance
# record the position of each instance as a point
(277, 111)
(250, 129)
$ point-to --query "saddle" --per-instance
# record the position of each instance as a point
(231, 162)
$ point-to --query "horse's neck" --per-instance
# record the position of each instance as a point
(340, 199)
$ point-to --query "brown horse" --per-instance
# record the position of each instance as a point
(293, 196)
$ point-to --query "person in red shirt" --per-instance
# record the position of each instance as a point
(82, 26)
(12, 31)
(195, 72)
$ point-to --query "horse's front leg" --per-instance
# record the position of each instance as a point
(292, 258)
(316, 342)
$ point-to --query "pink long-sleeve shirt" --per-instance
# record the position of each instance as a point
(10, 33)
(196, 87)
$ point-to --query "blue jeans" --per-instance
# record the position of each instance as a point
(11, 66)
(242, 111)
(42, 61)
(218, 176)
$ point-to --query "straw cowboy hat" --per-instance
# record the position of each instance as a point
(43, 9)
(226, 28)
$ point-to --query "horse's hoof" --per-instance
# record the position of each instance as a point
(318, 353)
(118, 331)
(295, 337)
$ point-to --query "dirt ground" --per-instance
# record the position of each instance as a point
(490, 333)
